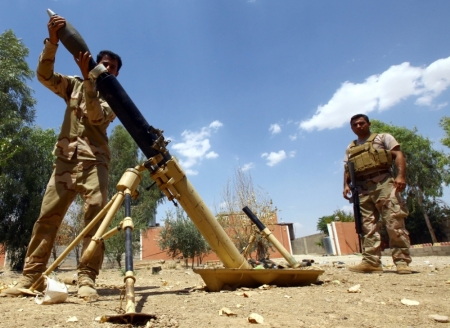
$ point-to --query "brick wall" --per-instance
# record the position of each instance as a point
(347, 237)
(151, 251)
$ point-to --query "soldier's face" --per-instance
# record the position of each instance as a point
(110, 64)
(360, 127)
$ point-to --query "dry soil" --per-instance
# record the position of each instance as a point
(176, 298)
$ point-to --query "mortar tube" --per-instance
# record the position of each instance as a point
(271, 238)
(173, 180)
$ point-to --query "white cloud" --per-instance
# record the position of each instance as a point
(248, 166)
(275, 128)
(274, 158)
(439, 106)
(195, 146)
(293, 137)
(292, 153)
(212, 154)
(435, 79)
(381, 92)
(215, 125)
(191, 172)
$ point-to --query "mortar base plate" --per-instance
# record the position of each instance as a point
(216, 279)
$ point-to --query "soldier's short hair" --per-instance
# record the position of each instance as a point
(355, 117)
(112, 55)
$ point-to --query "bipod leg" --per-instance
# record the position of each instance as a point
(130, 316)
(127, 184)
(76, 241)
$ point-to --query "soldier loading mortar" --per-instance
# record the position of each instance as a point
(163, 168)
(165, 171)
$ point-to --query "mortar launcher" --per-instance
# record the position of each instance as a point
(271, 238)
(163, 167)
(172, 181)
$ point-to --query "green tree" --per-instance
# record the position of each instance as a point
(24, 179)
(445, 124)
(238, 193)
(439, 215)
(25, 151)
(341, 214)
(16, 101)
(426, 168)
(180, 236)
(71, 227)
(124, 155)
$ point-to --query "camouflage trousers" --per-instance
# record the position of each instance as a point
(69, 178)
(380, 205)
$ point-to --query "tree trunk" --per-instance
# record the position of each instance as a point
(119, 260)
(430, 228)
(261, 250)
(54, 252)
(427, 219)
(77, 254)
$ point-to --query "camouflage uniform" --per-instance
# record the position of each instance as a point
(381, 205)
(81, 165)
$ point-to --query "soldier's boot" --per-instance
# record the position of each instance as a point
(25, 282)
(86, 286)
(403, 268)
(365, 267)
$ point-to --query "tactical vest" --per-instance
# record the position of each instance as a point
(367, 159)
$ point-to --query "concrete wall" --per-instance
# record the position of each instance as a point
(307, 244)
(439, 249)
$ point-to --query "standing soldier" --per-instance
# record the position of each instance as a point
(82, 159)
(379, 195)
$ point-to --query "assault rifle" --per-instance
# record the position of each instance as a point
(355, 201)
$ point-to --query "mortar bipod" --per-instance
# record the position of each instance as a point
(126, 190)
(130, 315)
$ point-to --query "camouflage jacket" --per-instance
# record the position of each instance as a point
(86, 118)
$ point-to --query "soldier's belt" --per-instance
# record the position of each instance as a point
(372, 175)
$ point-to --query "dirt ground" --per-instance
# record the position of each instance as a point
(175, 298)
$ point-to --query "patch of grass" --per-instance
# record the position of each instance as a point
(170, 265)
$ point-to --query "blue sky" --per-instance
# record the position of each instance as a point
(265, 85)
